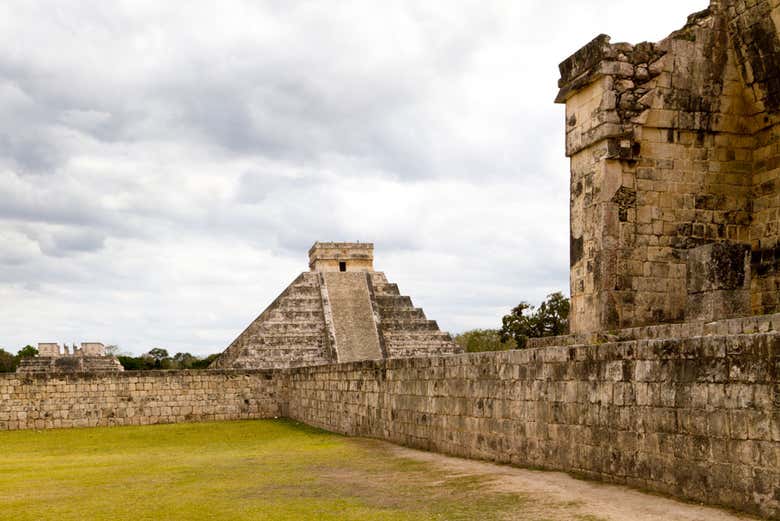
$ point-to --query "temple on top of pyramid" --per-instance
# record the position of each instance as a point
(341, 310)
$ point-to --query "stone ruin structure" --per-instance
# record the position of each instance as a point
(670, 380)
(90, 357)
(341, 310)
(675, 172)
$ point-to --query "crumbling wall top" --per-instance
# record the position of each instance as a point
(53, 349)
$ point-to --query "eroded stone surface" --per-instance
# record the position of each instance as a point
(51, 358)
(673, 145)
(91, 399)
(356, 335)
(696, 417)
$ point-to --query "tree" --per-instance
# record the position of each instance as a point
(158, 353)
(203, 363)
(161, 358)
(7, 362)
(27, 351)
(479, 340)
(131, 363)
(551, 319)
(183, 360)
(553, 315)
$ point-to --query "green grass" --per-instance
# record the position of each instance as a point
(254, 470)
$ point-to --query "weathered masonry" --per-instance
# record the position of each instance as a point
(90, 357)
(90, 399)
(340, 311)
(675, 171)
(696, 416)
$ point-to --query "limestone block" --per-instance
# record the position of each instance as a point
(718, 281)
(48, 349)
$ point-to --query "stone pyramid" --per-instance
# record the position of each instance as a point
(339, 311)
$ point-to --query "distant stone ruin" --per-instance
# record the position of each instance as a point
(90, 357)
(340, 311)
(675, 172)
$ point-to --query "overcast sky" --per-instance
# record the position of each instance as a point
(164, 167)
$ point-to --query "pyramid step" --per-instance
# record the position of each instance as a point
(422, 353)
(386, 289)
(307, 279)
(271, 340)
(294, 315)
(411, 314)
(284, 353)
(378, 277)
(288, 328)
(267, 348)
(303, 291)
(393, 301)
(392, 325)
(422, 341)
(254, 363)
(417, 336)
(301, 303)
(424, 346)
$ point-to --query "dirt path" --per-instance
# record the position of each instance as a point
(572, 498)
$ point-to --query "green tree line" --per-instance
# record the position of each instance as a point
(9, 362)
(524, 321)
(158, 358)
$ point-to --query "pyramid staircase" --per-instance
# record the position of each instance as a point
(405, 330)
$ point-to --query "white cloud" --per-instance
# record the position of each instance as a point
(164, 167)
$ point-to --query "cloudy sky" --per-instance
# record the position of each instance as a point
(164, 167)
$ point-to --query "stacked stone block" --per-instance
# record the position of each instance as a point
(69, 364)
(697, 418)
(673, 145)
(46, 401)
(732, 326)
(51, 358)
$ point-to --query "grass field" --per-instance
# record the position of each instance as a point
(258, 470)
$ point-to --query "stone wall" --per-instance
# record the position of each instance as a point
(137, 398)
(674, 145)
(731, 326)
(697, 418)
